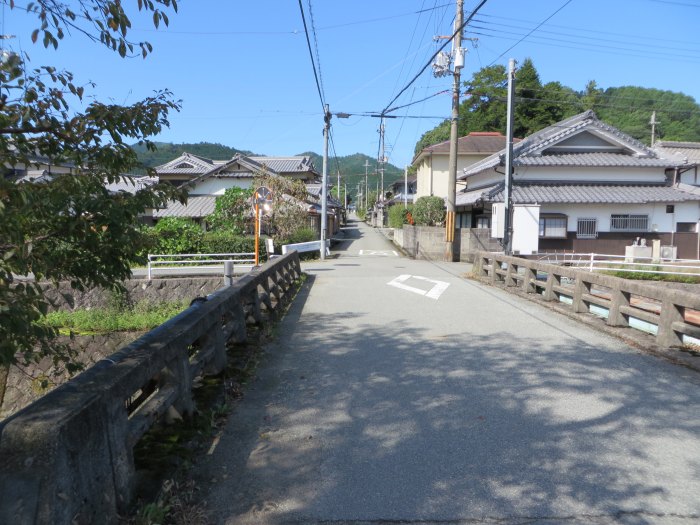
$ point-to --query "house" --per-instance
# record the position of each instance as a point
(582, 185)
(206, 179)
(433, 161)
(688, 153)
(403, 190)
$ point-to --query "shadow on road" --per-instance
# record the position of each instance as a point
(459, 427)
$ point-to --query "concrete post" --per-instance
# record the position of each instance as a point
(549, 292)
(618, 299)
(512, 269)
(670, 313)
(580, 289)
(529, 277)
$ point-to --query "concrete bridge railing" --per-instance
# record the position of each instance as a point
(68, 458)
(673, 315)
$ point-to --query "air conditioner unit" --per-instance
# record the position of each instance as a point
(669, 252)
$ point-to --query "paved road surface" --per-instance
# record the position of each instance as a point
(438, 400)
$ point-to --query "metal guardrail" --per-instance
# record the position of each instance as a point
(673, 316)
(602, 262)
(311, 246)
(199, 261)
(68, 457)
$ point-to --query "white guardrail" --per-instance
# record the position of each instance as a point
(188, 262)
(602, 262)
(312, 246)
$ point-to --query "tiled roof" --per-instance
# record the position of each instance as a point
(484, 142)
(529, 151)
(602, 160)
(300, 164)
(197, 206)
(533, 193)
(131, 184)
(683, 152)
(195, 165)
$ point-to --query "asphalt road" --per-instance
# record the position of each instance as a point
(436, 400)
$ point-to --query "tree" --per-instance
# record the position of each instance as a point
(288, 212)
(232, 211)
(69, 227)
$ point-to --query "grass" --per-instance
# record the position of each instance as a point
(643, 276)
(144, 315)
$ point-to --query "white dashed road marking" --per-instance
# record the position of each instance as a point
(379, 253)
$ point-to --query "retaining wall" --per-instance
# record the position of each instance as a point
(428, 242)
(137, 290)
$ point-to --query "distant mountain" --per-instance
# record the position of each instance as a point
(167, 151)
(352, 167)
(352, 171)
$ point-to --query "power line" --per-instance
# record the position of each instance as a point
(311, 55)
(533, 30)
(460, 28)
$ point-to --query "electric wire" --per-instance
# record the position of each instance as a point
(533, 30)
(311, 55)
(460, 28)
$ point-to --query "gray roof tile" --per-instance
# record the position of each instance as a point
(533, 193)
(197, 206)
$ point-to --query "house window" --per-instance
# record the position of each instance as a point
(687, 227)
(586, 228)
(553, 226)
(629, 223)
(483, 221)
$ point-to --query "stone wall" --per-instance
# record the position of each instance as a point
(26, 384)
(428, 242)
(137, 290)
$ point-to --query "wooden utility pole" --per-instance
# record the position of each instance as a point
(452, 167)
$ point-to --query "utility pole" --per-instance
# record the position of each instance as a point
(452, 166)
(405, 187)
(366, 187)
(338, 185)
(324, 181)
(507, 194)
(653, 127)
(381, 158)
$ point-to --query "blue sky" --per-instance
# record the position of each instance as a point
(243, 72)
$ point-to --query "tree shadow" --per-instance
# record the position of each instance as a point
(372, 423)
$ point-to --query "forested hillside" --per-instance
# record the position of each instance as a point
(167, 152)
(538, 105)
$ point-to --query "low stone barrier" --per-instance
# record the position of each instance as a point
(674, 315)
(68, 458)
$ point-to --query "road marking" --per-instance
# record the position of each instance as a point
(434, 293)
(380, 253)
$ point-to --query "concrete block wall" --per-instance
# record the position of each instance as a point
(428, 242)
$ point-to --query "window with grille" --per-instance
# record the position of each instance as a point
(553, 226)
(587, 228)
(629, 223)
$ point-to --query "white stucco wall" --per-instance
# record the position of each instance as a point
(684, 212)
(432, 175)
(214, 186)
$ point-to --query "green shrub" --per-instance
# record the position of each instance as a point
(221, 241)
(174, 235)
(303, 235)
(429, 211)
(398, 215)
